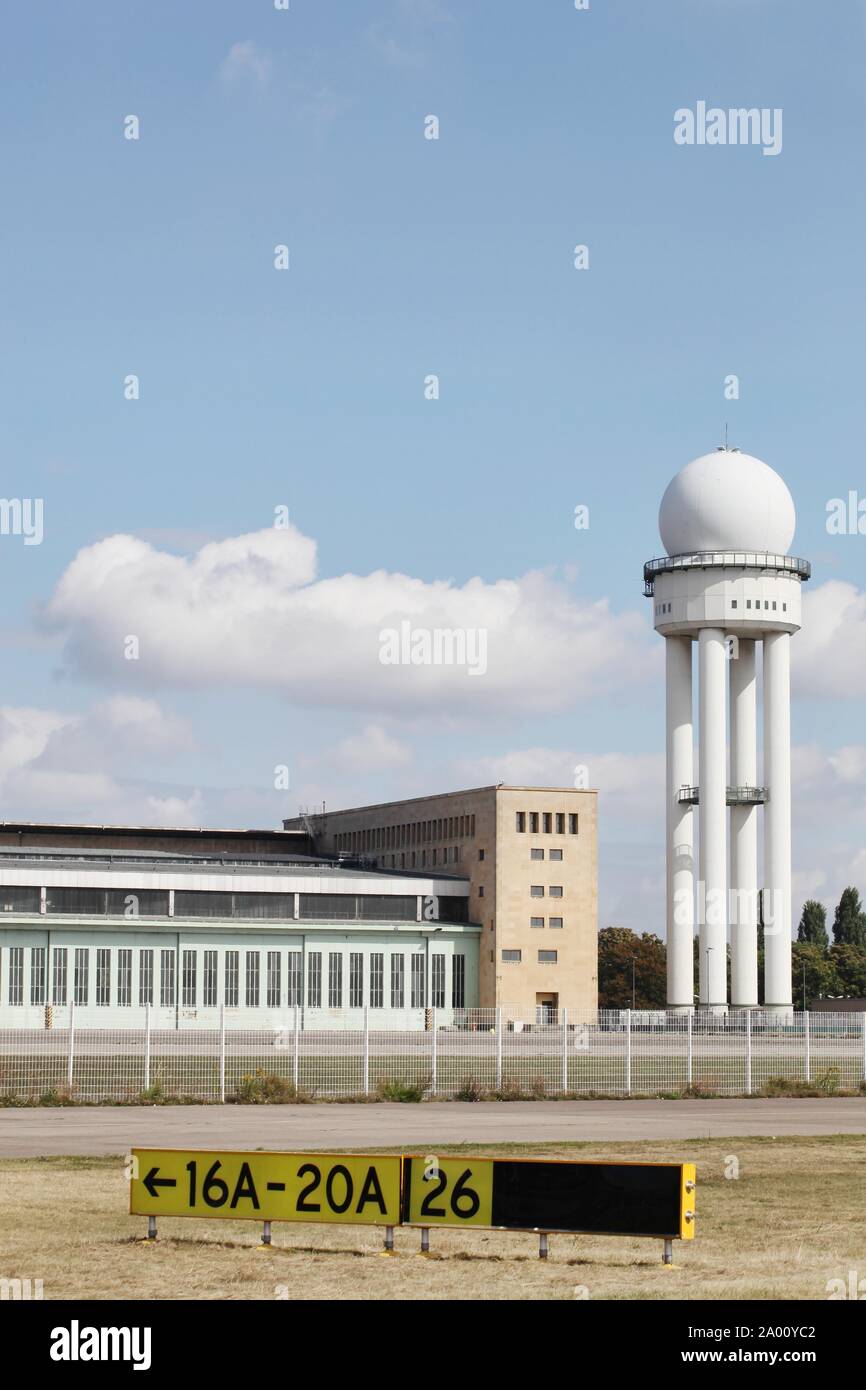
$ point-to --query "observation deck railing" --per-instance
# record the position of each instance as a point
(725, 559)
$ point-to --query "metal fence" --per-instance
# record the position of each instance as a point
(481, 1051)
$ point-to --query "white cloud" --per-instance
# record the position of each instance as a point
(245, 61)
(372, 750)
(250, 612)
(828, 656)
(24, 734)
(630, 785)
(69, 767)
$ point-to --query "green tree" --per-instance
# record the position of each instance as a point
(849, 966)
(811, 963)
(813, 924)
(849, 924)
(620, 949)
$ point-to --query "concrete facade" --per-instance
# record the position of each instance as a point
(523, 882)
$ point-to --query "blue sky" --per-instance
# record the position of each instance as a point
(304, 388)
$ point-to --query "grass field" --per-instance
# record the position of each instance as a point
(793, 1219)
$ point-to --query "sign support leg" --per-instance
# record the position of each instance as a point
(389, 1241)
(425, 1240)
(266, 1235)
(151, 1228)
(542, 1245)
(668, 1256)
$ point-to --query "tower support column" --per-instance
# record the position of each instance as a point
(680, 825)
(743, 902)
(777, 821)
(712, 888)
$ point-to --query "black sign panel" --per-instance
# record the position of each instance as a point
(593, 1198)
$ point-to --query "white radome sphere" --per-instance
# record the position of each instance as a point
(727, 501)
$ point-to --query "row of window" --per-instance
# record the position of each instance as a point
(543, 822)
(280, 986)
(555, 923)
(756, 603)
(405, 835)
(147, 902)
(422, 858)
(536, 890)
(554, 854)
(544, 957)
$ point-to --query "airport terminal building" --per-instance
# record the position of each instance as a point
(187, 927)
(530, 855)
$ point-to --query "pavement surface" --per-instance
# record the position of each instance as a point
(29, 1133)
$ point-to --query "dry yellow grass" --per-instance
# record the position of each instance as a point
(793, 1219)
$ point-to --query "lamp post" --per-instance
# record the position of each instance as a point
(804, 986)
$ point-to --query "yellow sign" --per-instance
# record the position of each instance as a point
(688, 1188)
(448, 1191)
(356, 1189)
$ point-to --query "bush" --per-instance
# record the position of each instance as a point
(829, 1081)
(789, 1086)
(510, 1091)
(56, 1095)
(469, 1089)
(407, 1092)
(267, 1088)
(152, 1095)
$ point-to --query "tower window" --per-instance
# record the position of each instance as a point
(733, 603)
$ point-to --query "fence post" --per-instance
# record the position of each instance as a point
(222, 1054)
(366, 1050)
(689, 1049)
(70, 1051)
(807, 1046)
(296, 1059)
(748, 1052)
(498, 1049)
(628, 1052)
(433, 1056)
(565, 1049)
(147, 1047)
(863, 1078)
